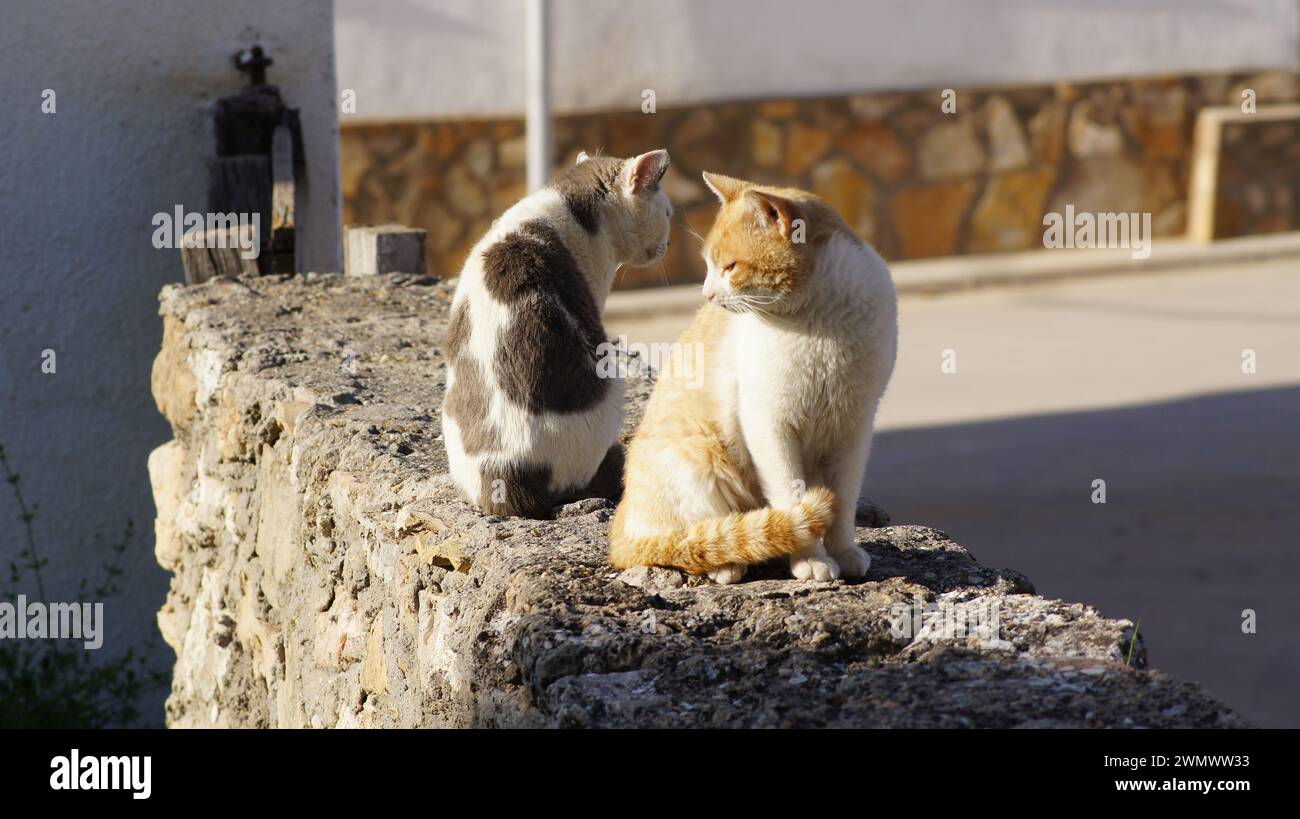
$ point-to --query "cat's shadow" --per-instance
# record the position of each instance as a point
(937, 570)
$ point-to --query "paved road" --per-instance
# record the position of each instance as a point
(1136, 380)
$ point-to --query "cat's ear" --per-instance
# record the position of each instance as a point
(641, 174)
(583, 156)
(724, 187)
(775, 211)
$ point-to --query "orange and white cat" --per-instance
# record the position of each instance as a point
(765, 458)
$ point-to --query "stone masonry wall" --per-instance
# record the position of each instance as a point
(325, 574)
(914, 181)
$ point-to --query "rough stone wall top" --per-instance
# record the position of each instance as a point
(325, 574)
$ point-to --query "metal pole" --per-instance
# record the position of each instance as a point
(538, 91)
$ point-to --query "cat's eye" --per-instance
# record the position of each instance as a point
(728, 268)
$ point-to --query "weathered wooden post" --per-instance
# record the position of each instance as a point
(255, 171)
(218, 251)
(283, 223)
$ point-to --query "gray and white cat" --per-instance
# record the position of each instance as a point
(527, 420)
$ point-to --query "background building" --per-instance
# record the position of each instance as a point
(1050, 103)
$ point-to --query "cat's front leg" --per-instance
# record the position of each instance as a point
(844, 476)
(779, 464)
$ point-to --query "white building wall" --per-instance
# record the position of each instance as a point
(134, 81)
(449, 58)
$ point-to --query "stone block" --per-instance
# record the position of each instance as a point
(369, 250)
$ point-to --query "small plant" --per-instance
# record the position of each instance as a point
(50, 683)
(1132, 642)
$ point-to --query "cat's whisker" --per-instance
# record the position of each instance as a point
(747, 304)
(752, 304)
(688, 229)
(663, 272)
(762, 301)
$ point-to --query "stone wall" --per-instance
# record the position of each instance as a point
(914, 181)
(325, 574)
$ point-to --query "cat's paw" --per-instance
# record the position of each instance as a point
(815, 567)
(730, 573)
(854, 561)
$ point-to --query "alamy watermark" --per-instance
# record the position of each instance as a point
(1098, 230)
(622, 359)
(220, 230)
(24, 620)
(75, 772)
(948, 620)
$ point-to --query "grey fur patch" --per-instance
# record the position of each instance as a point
(586, 185)
(546, 358)
(516, 490)
(469, 399)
